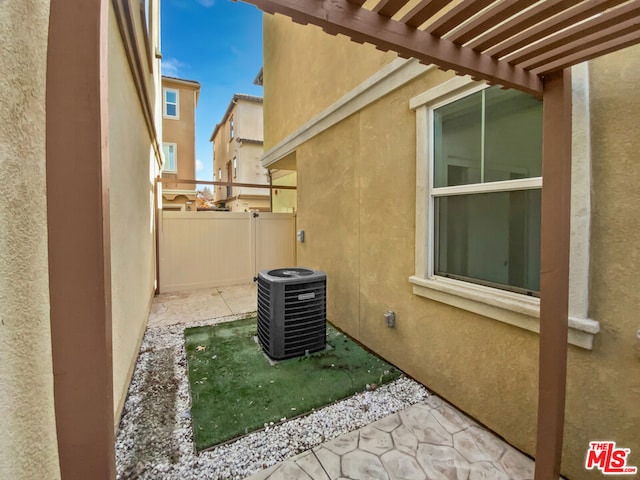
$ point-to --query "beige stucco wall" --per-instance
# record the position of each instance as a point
(356, 203)
(182, 131)
(285, 201)
(132, 171)
(326, 68)
(249, 122)
(27, 419)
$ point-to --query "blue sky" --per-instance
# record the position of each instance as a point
(219, 44)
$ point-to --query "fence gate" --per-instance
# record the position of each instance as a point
(213, 249)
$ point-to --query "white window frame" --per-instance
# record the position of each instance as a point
(164, 103)
(235, 167)
(165, 163)
(505, 306)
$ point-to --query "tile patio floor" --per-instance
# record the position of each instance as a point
(430, 440)
(188, 307)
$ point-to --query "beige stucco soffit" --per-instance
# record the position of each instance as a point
(392, 76)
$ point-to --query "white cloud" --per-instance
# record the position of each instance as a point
(171, 67)
(199, 166)
(206, 3)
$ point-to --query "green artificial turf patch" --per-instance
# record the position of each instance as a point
(235, 390)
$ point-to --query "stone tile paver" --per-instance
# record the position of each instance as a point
(451, 419)
(425, 427)
(344, 444)
(389, 423)
(477, 445)
(487, 471)
(441, 462)
(288, 471)
(330, 461)
(401, 466)
(187, 307)
(240, 298)
(517, 465)
(264, 474)
(375, 441)
(310, 464)
(404, 440)
(360, 465)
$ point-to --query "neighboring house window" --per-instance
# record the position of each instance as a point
(486, 160)
(171, 103)
(235, 168)
(231, 133)
(219, 174)
(170, 151)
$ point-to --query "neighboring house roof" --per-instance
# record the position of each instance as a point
(259, 78)
(249, 140)
(195, 85)
(234, 100)
(191, 83)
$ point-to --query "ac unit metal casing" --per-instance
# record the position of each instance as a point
(292, 311)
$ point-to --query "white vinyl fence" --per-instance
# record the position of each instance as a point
(213, 249)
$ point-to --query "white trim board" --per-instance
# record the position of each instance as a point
(389, 78)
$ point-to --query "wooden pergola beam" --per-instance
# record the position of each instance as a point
(361, 25)
(423, 11)
(550, 26)
(489, 19)
(580, 32)
(590, 53)
(456, 16)
(389, 8)
(554, 272)
(537, 14)
(565, 50)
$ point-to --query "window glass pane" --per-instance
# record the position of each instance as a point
(171, 110)
(513, 135)
(170, 97)
(458, 142)
(490, 238)
(169, 151)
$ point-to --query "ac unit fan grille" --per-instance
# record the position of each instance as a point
(304, 317)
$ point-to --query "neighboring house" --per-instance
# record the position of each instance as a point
(237, 151)
(179, 102)
(419, 192)
(80, 123)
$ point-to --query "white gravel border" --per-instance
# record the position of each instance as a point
(155, 436)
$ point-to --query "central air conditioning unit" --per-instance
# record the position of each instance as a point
(292, 312)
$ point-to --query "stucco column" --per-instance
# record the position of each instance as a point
(79, 248)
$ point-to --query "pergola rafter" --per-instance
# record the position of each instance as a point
(523, 44)
(506, 42)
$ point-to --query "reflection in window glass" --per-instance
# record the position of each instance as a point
(169, 150)
(492, 238)
(171, 103)
(489, 136)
